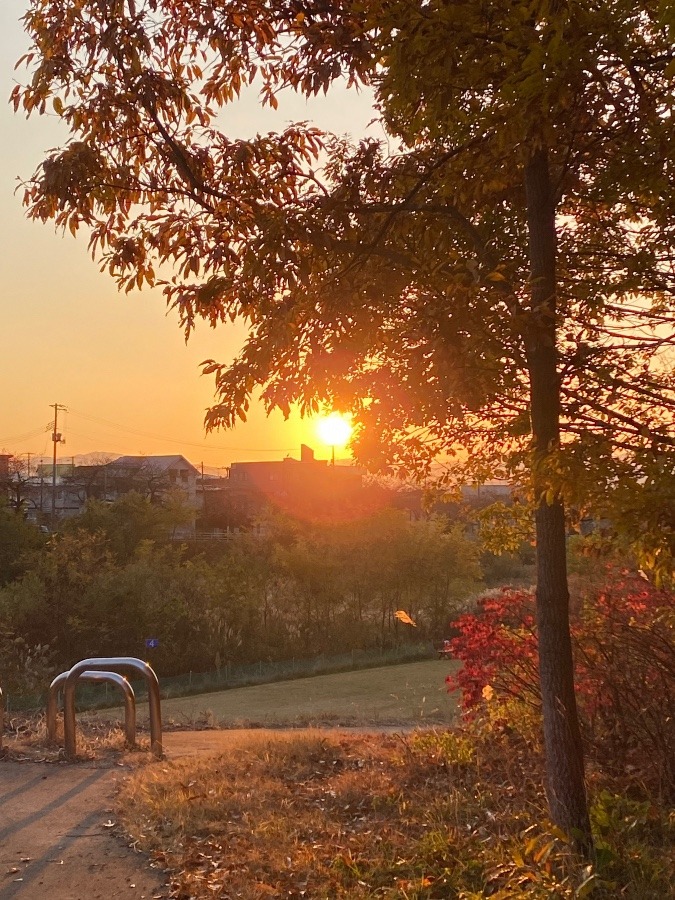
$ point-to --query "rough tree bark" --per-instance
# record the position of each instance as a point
(565, 784)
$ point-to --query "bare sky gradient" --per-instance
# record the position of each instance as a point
(117, 362)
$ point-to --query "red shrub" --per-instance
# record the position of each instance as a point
(624, 644)
(498, 647)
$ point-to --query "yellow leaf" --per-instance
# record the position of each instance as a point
(403, 616)
(57, 103)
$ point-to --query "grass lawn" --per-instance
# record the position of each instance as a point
(407, 694)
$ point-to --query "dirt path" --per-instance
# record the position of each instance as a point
(57, 838)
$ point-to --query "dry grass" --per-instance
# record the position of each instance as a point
(25, 740)
(324, 815)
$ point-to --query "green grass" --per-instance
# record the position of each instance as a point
(407, 694)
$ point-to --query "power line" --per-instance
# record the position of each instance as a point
(159, 437)
(20, 438)
(116, 452)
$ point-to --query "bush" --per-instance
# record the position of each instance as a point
(497, 645)
(624, 644)
(25, 670)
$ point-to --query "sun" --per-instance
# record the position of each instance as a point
(334, 430)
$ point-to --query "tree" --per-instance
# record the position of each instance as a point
(17, 540)
(502, 281)
(132, 520)
(16, 484)
(49, 600)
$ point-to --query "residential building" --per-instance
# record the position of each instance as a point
(306, 488)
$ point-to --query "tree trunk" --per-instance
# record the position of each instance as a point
(565, 785)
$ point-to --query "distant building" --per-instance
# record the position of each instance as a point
(481, 495)
(63, 469)
(4, 465)
(303, 477)
(151, 476)
(306, 488)
(39, 492)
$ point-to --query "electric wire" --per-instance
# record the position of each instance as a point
(28, 435)
(159, 437)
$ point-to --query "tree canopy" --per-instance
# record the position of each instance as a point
(395, 284)
(499, 277)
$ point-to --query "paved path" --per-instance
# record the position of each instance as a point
(57, 834)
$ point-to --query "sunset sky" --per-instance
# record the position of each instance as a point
(117, 362)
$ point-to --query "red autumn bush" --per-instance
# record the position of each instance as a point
(498, 647)
(624, 645)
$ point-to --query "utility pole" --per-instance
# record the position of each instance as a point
(57, 439)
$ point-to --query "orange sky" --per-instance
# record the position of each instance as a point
(117, 362)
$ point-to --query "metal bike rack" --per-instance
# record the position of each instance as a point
(105, 664)
(108, 677)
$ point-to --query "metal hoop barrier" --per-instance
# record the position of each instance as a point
(109, 677)
(105, 664)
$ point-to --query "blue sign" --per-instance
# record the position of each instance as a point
(151, 643)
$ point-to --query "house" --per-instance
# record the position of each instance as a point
(45, 498)
(306, 476)
(150, 476)
(306, 488)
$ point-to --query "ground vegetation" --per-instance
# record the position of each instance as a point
(623, 637)
(432, 815)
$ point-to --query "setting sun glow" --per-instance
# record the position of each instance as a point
(334, 430)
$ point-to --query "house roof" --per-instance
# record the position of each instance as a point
(154, 463)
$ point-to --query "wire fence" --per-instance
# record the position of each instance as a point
(93, 696)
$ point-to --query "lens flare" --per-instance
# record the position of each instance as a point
(334, 430)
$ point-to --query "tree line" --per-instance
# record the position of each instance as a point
(112, 578)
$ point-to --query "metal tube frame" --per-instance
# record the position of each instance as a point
(100, 676)
(105, 664)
